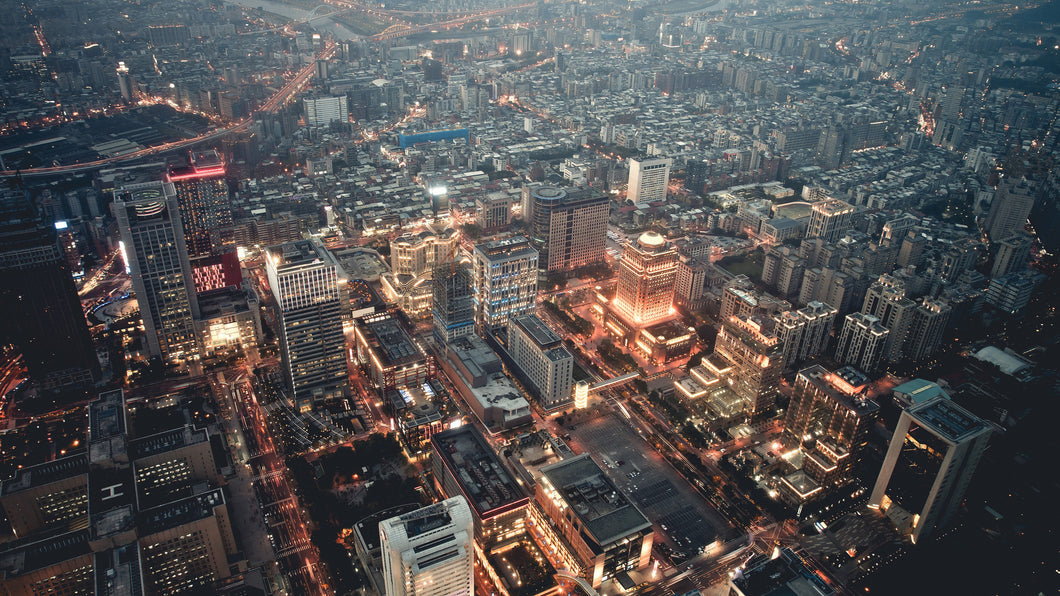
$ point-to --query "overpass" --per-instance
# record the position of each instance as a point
(582, 583)
(619, 380)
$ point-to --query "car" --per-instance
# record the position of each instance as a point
(572, 428)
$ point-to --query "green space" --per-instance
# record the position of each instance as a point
(749, 264)
(571, 322)
(616, 358)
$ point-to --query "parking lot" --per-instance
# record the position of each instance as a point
(666, 498)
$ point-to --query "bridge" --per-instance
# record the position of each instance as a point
(619, 380)
(582, 583)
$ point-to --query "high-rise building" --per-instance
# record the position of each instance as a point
(649, 179)
(804, 333)
(205, 209)
(1012, 292)
(1010, 208)
(862, 342)
(933, 453)
(926, 328)
(306, 282)
(1012, 254)
(831, 419)
(886, 300)
(152, 241)
(454, 302)
(568, 227)
(540, 353)
(754, 355)
(493, 211)
(430, 551)
(322, 111)
(505, 280)
(829, 218)
(43, 316)
(646, 279)
(690, 283)
(419, 253)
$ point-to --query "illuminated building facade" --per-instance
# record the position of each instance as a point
(594, 520)
(465, 465)
(751, 356)
(646, 280)
(413, 259)
(505, 281)
(830, 419)
(47, 496)
(453, 304)
(148, 217)
(306, 283)
(933, 453)
(205, 209)
(804, 333)
(430, 551)
(43, 317)
(862, 342)
(493, 212)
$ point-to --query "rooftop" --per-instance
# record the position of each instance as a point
(538, 331)
(178, 513)
(44, 553)
(947, 419)
(485, 483)
(604, 511)
(46, 473)
(784, 575)
(368, 527)
(919, 391)
(118, 572)
(300, 252)
(389, 340)
(167, 441)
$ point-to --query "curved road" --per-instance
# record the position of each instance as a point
(278, 99)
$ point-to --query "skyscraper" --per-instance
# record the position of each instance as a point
(305, 280)
(505, 281)
(753, 352)
(152, 240)
(886, 300)
(568, 227)
(42, 314)
(1010, 208)
(804, 333)
(926, 328)
(430, 551)
(454, 302)
(862, 342)
(933, 453)
(829, 218)
(205, 209)
(646, 279)
(322, 111)
(649, 178)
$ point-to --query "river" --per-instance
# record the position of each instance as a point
(338, 31)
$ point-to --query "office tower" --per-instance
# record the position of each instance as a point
(886, 300)
(649, 179)
(539, 352)
(125, 87)
(804, 333)
(862, 342)
(465, 464)
(493, 212)
(152, 239)
(933, 453)
(205, 209)
(929, 322)
(430, 551)
(606, 533)
(42, 314)
(1012, 254)
(690, 282)
(831, 419)
(1011, 205)
(749, 347)
(829, 218)
(505, 281)
(646, 279)
(50, 496)
(322, 111)
(453, 303)
(568, 227)
(306, 283)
